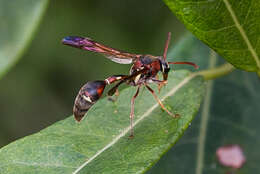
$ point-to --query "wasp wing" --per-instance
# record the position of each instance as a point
(90, 45)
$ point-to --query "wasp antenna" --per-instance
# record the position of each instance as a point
(187, 63)
(166, 46)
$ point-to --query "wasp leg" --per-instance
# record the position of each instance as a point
(122, 79)
(132, 112)
(155, 80)
(160, 103)
(111, 93)
(115, 78)
(114, 99)
(114, 90)
(160, 83)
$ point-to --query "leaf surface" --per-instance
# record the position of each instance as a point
(100, 143)
(19, 19)
(230, 28)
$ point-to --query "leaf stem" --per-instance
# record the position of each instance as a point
(214, 73)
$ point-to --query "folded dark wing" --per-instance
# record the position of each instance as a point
(90, 45)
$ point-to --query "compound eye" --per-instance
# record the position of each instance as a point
(166, 70)
(166, 67)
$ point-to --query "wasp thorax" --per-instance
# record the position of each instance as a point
(87, 96)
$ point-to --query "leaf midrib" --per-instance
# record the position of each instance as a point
(147, 113)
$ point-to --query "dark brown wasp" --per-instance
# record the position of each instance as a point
(144, 70)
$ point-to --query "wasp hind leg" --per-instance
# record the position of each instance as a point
(114, 90)
(115, 98)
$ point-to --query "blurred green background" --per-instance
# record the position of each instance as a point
(40, 89)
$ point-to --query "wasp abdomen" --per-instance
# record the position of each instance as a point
(87, 96)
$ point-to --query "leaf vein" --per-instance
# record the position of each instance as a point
(248, 12)
(38, 164)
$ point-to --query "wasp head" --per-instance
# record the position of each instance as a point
(165, 68)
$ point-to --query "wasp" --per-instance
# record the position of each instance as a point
(144, 70)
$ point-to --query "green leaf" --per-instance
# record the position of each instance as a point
(230, 28)
(102, 138)
(229, 115)
(100, 143)
(19, 20)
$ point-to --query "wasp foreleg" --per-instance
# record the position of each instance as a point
(160, 83)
